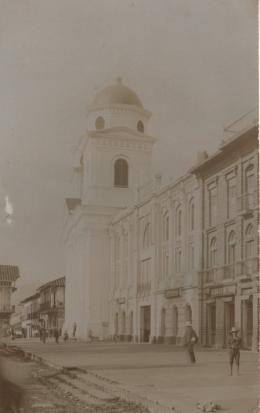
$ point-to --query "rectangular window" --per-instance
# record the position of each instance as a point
(178, 260)
(212, 206)
(144, 279)
(191, 257)
(231, 198)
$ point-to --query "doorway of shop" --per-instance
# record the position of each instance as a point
(211, 325)
(247, 322)
(145, 324)
(229, 320)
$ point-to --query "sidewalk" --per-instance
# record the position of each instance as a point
(160, 372)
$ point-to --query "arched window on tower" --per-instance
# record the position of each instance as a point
(140, 126)
(121, 173)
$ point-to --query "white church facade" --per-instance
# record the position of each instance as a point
(134, 248)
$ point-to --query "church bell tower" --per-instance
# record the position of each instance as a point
(114, 161)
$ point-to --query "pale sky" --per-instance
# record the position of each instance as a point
(193, 64)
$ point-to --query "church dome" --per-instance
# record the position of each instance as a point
(117, 94)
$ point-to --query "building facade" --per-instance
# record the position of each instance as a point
(154, 260)
(229, 194)
(141, 257)
(31, 315)
(8, 276)
(51, 305)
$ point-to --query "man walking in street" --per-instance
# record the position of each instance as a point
(56, 335)
(234, 349)
(190, 339)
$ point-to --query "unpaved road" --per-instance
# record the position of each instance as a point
(45, 398)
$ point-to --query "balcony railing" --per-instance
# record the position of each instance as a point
(144, 288)
(247, 202)
(211, 275)
(229, 272)
(48, 306)
(6, 309)
(248, 267)
(245, 268)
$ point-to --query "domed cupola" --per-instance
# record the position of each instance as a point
(117, 106)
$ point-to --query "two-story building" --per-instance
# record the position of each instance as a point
(52, 304)
(30, 315)
(8, 276)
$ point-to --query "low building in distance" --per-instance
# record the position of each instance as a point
(31, 315)
(52, 304)
(8, 276)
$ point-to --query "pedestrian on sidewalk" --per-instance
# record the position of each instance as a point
(43, 335)
(65, 336)
(234, 349)
(189, 340)
(74, 330)
(56, 335)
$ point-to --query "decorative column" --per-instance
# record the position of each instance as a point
(219, 323)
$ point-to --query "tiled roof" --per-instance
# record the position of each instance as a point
(59, 282)
(9, 272)
(31, 298)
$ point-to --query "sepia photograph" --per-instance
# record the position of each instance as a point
(129, 206)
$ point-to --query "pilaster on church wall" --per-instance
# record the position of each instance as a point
(221, 203)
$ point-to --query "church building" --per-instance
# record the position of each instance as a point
(142, 259)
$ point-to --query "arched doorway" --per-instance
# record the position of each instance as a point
(163, 326)
(188, 313)
(131, 326)
(116, 324)
(123, 326)
(175, 322)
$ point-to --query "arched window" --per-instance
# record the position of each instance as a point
(213, 253)
(192, 215)
(140, 126)
(249, 242)
(179, 223)
(100, 123)
(121, 173)
(165, 227)
(231, 256)
(147, 235)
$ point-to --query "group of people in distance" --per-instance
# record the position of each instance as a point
(44, 334)
(234, 343)
(189, 340)
(56, 333)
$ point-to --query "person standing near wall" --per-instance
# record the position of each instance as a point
(189, 340)
(234, 349)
